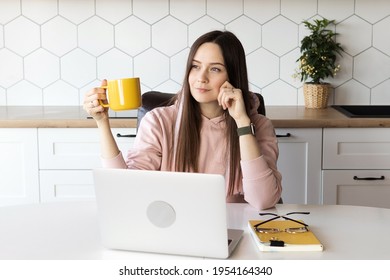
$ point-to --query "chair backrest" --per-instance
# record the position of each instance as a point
(153, 99)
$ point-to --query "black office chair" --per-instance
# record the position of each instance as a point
(153, 99)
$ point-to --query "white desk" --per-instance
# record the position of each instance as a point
(70, 231)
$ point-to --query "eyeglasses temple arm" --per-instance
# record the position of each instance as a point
(263, 222)
(273, 214)
(287, 218)
(284, 217)
(292, 213)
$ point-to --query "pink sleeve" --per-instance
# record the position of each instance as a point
(149, 145)
(261, 179)
(146, 151)
(116, 162)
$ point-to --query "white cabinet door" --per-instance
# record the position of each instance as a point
(19, 181)
(300, 164)
(357, 187)
(67, 157)
(76, 148)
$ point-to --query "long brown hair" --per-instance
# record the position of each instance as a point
(189, 132)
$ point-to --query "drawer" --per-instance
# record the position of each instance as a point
(356, 148)
(76, 148)
(66, 185)
(357, 187)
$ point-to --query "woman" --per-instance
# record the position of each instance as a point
(212, 127)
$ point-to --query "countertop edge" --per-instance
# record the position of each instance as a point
(65, 123)
(280, 116)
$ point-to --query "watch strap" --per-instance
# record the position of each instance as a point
(250, 129)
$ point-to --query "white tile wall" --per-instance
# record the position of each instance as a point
(53, 51)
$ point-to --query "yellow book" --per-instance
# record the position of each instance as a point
(282, 240)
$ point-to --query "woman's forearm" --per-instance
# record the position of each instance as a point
(108, 145)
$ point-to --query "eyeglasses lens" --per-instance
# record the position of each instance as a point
(296, 230)
(276, 230)
(267, 230)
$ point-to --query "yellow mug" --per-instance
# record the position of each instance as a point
(123, 94)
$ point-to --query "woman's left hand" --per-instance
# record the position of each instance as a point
(231, 99)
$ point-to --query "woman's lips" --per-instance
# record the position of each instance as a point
(202, 90)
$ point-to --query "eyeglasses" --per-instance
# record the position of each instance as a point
(293, 230)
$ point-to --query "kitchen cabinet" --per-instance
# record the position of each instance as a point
(18, 166)
(356, 166)
(67, 157)
(300, 164)
(348, 166)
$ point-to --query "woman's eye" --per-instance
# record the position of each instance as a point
(195, 66)
(214, 69)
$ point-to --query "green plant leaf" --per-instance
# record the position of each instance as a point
(319, 52)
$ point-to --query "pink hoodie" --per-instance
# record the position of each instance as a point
(260, 184)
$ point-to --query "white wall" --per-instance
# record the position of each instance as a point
(52, 51)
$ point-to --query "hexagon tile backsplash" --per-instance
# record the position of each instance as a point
(53, 51)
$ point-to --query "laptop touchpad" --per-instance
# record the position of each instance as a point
(161, 214)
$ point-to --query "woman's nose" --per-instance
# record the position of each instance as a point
(202, 77)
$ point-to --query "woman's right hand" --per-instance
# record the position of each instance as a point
(92, 102)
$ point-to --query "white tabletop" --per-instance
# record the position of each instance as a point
(69, 230)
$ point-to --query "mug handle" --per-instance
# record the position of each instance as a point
(105, 105)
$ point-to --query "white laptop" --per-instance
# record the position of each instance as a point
(164, 212)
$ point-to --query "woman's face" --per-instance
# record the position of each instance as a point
(207, 74)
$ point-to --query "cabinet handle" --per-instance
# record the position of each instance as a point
(125, 135)
(369, 178)
(288, 134)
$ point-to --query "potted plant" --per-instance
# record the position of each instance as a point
(319, 52)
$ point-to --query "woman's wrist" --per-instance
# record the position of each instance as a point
(244, 121)
(103, 122)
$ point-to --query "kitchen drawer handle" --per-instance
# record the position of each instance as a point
(369, 178)
(125, 135)
(288, 134)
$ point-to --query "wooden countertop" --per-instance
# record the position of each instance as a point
(300, 117)
(53, 117)
(76, 117)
